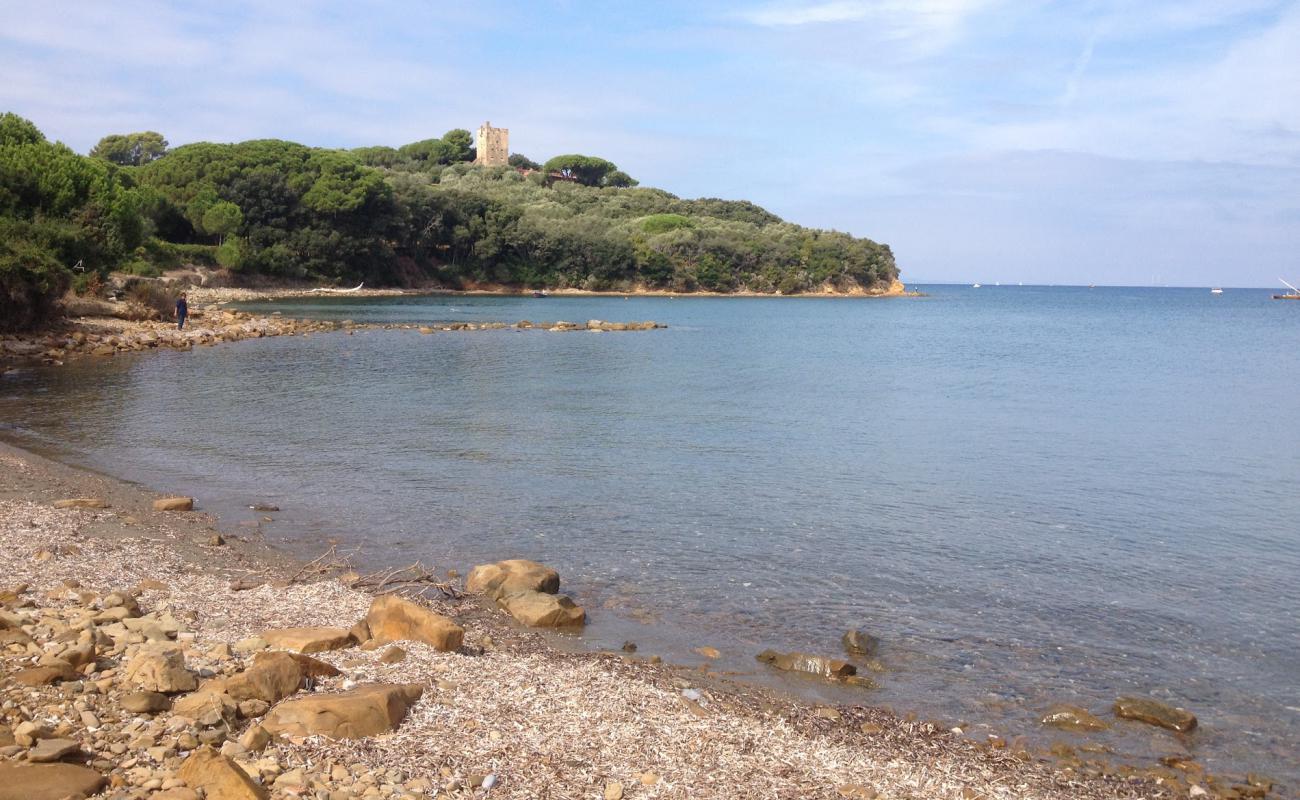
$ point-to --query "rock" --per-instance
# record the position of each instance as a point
(160, 668)
(394, 619)
(708, 652)
(81, 502)
(363, 711)
(255, 739)
(392, 655)
(512, 575)
(48, 781)
(860, 643)
(80, 654)
(614, 791)
(540, 610)
(216, 540)
(47, 750)
(219, 777)
(273, 677)
(45, 675)
(308, 640)
(1072, 718)
(803, 662)
(174, 504)
(146, 702)
(1154, 712)
(208, 709)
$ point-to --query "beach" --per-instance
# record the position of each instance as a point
(542, 722)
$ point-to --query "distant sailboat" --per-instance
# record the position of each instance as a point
(974, 286)
(1294, 295)
(1216, 290)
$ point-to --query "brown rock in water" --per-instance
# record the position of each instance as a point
(540, 610)
(1154, 712)
(1072, 718)
(394, 619)
(174, 504)
(363, 711)
(860, 643)
(512, 575)
(45, 675)
(308, 640)
(219, 777)
(708, 652)
(47, 781)
(160, 668)
(146, 702)
(81, 502)
(803, 662)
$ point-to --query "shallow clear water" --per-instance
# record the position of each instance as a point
(1030, 494)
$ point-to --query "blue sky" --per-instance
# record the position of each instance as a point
(1046, 142)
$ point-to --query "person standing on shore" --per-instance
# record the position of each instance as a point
(182, 311)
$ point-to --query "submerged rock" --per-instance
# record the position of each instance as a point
(803, 662)
(1072, 718)
(860, 643)
(1154, 712)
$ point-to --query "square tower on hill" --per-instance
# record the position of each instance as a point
(493, 146)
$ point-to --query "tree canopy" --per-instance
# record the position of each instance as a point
(130, 149)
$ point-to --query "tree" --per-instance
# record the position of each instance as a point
(618, 178)
(130, 149)
(222, 219)
(14, 130)
(521, 161)
(587, 170)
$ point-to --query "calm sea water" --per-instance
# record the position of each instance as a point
(1030, 494)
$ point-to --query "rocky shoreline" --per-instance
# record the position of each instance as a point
(213, 324)
(148, 655)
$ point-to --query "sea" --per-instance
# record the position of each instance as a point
(1032, 495)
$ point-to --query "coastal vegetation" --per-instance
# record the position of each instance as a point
(420, 214)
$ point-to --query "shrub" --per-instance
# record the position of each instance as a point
(31, 279)
(152, 296)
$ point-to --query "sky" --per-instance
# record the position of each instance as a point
(1102, 141)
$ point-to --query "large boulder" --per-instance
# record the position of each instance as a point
(273, 677)
(1154, 712)
(540, 610)
(512, 575)
(47, 781)
(308, 640)
(207, 708)
(219, 777)
(363, 711)
(160, 668)
(813, 665)
(394, 619)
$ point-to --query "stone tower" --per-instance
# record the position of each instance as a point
(493, 145)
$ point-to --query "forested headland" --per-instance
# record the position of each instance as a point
(418, 215)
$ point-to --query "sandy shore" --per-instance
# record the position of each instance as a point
(540, 722)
